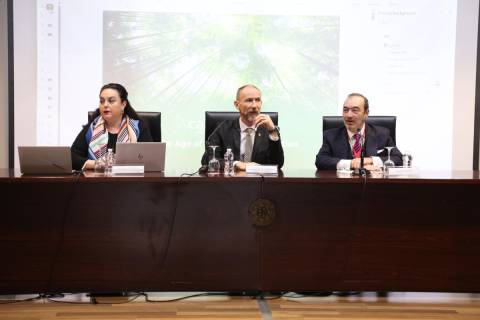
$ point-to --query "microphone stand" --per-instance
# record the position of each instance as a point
(362, 171)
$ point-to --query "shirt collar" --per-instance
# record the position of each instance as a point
(243, 126)
(362, 132)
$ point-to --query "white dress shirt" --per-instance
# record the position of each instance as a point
(345, 164)
(243, 137)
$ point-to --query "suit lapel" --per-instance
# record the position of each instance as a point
(236, 139)
(344, 145)
(370, 142)
(259, 138)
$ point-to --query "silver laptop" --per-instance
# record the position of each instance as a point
(149, 154)
(45, 160)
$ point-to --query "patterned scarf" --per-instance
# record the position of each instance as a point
(97, 135)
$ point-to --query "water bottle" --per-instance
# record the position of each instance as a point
(228, 162)
(407, 159)
(109, 162)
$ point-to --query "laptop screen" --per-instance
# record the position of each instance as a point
(45, 159)
(149, 154)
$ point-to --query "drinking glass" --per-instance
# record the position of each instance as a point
(388, 163)
(100, 165)
(213, 164)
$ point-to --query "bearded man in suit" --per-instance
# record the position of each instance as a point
(253, 137)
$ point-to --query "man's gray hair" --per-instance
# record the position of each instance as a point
(243, 87)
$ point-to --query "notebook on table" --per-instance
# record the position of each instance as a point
(45, 159)
(149, 154)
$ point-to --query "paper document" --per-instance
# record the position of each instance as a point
(262, 169)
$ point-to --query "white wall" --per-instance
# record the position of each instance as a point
(464, 91)
(3, 85)
(25, 73)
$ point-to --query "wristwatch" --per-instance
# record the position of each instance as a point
(276, 129)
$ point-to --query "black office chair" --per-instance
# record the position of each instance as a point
(153, 120)
(213, 119)
(389, 122)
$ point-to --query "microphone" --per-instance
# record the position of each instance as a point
(362, 150)
(362, 170)
(207, 142)
(204, 167)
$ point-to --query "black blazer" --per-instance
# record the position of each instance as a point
(336, 147)
(265, 151)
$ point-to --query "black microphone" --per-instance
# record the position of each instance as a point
(204, 167)
(362, 171)
(362, 150)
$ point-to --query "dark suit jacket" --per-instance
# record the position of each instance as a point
(227, 135)
(336, 146)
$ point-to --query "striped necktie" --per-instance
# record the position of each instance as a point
(357, 146)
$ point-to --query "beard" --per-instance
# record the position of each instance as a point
(251, 116)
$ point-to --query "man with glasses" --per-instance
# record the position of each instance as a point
(253, 138)
(342, 147)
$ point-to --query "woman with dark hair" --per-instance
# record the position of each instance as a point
(114, 120)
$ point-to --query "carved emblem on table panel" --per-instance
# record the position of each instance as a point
(261, 212)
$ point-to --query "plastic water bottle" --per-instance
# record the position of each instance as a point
(109, 162)
(228, 162)
(407, 159)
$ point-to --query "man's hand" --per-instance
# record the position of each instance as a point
(371, 167)
(355, 164)
(242, 166)
(264, 120)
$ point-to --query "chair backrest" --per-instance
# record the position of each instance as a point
(389, 122)
(153, 120)
(213, 119)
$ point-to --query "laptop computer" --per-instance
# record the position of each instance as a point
(45, 160)
(149, 154)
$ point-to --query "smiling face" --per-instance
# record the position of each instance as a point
(111, 106)
(354, 113)
(249, 104)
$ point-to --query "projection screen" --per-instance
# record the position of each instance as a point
(414, 59)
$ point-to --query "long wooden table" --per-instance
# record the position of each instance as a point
(160, 232)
